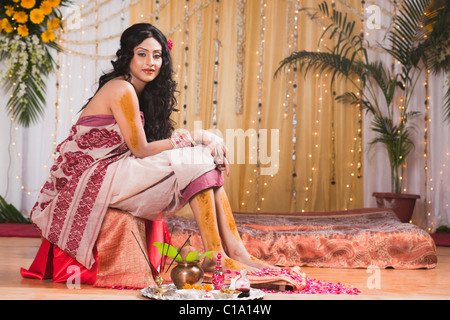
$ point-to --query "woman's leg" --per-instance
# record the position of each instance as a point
(218, 230)
(229, 233)
(204, 208)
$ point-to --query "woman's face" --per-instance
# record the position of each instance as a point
(146, 62)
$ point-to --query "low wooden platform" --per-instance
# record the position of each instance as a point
(375, 284)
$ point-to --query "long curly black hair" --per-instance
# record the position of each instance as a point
(157, 101)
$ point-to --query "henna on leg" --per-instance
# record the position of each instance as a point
(229, 233)
(204, 209)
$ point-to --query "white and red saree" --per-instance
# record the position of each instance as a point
(95, 170)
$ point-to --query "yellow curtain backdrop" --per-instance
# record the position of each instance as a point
(308, 154)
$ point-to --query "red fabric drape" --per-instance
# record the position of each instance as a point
(53, 263)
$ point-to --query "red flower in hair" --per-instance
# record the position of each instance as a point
(170, 44)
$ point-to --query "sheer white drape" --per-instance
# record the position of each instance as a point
(91, 31)
(433, 185)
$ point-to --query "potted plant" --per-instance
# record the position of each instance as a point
(375, 87)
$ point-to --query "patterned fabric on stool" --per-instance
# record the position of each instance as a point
(121, 262)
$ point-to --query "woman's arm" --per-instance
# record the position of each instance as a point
(124, 106)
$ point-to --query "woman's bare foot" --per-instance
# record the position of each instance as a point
(227, 264)
(257, 263)
(240, 253)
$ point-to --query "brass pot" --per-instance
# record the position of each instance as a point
(186, 272)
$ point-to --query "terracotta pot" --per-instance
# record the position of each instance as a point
(401, 204)
(186, 272)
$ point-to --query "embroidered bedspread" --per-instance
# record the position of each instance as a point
(347, 239)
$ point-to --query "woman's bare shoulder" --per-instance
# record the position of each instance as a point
(107, 97)
(116, 86)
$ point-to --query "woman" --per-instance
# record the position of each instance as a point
(124, 153)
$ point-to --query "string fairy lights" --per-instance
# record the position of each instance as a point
(186, 66)
(291, 47)
(216, 64)
(303, 183)
(313, 155)
(240, 54)
(57, 100)
(360, 114)
(356, 151)
(259, 77)
(157, 13)
(426, 202)
(198, 64)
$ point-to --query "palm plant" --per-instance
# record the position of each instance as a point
(24, 77)
(348, 59)
(435, 49)
(9, 213)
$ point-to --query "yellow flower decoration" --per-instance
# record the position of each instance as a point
(9, 11)
(46, 7)
(21, 16)
(6, 26)
(28, 4)
(22, 30)
(36, 16)
(48, 36)
(54, 3)
(53, 24)
(16, 1)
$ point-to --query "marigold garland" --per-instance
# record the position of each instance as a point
(28, 29)
(27, 4)
(20, 16)
(23, 30)
(37, 16)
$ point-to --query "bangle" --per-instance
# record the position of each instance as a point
(181, 138)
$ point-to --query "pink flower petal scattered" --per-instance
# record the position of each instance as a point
(313, 286)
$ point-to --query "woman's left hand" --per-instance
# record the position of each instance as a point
(220, 153)
(218, 148)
